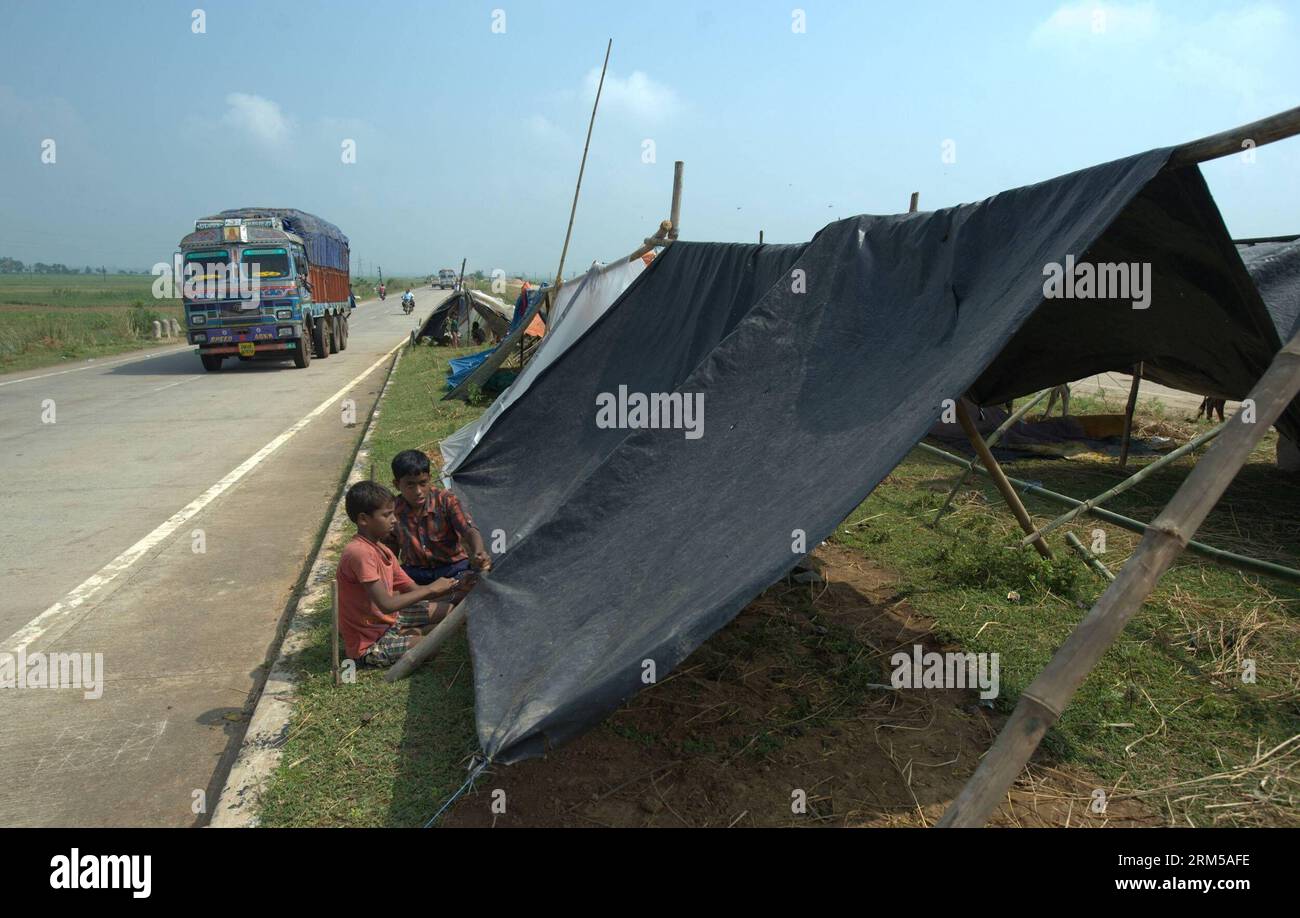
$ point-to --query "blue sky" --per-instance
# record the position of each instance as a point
(468, 139)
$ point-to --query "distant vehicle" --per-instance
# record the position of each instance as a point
(447, 279)
(263, 283)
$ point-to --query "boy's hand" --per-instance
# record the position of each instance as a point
(444, 586)
(481, 561)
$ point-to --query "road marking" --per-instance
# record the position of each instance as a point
(37, 627)
(98, 366)
(177, 383)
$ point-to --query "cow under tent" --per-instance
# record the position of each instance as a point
(793, 379)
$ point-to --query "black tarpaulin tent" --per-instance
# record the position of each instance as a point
(489, 313)
(1274, 266)
(819, 366)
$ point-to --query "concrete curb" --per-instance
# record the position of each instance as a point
(259, 754)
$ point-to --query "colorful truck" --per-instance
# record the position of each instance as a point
(265, 283)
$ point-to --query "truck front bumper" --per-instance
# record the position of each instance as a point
(279, 336)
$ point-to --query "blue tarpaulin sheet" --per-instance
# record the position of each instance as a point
(461, 367)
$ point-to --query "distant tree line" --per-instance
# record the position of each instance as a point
(14, 266)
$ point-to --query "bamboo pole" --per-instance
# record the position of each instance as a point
(1042, 703)
(428, 646)
(1128, 414)
(334, 630)
(1088, 557)
(991, 441)
(914, 203)
(1085, 506)
(999, 477)
(1124, 522)
(675, 211)
(1225, 143)
(573, 211)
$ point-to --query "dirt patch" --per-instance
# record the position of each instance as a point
(790, 701)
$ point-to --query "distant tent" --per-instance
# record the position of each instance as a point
(580, 303)
(521, 324)
(466, 308)
(815, 369)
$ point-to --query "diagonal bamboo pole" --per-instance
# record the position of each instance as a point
(1034, 490)
(991, 441)
(999, 477)
(1089, 558)
(1127, 483)
(573, 211)
(1042, 703)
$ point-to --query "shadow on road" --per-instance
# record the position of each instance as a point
(186, 363)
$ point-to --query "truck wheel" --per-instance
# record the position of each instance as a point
(318, 337)
(343, 333)
(333, 326)
(302, 353)
(211, 362)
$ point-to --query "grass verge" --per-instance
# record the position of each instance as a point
(371, 753)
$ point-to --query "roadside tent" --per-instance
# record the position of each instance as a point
(818, 367)
(466, 308)
(578, 305)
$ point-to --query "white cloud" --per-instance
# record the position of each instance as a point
(258, 117)
(637, 95)
(1230, 52)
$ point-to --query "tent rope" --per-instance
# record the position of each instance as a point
(475, 771)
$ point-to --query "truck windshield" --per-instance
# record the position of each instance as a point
(209, 265)
(267, 262)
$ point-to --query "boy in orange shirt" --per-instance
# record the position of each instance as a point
(373, 588)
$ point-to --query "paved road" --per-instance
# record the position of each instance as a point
(99, 517)
(1114, 387)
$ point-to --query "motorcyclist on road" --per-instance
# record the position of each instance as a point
(381, 290)
(408, 300)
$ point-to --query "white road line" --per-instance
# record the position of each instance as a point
(37, 627)
(98, 366)
(177, 383)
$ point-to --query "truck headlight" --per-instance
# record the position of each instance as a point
(284, 313)
(285, 331)
(200, 339)
(197, 318)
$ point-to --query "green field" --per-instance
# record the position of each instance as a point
(47, 319)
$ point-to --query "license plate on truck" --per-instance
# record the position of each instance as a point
(246, 348)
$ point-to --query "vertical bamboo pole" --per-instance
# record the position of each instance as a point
(1040, 705)
(999, 477)
(675, 211)
(914, 203)
(1128, 414)
(334, 630)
